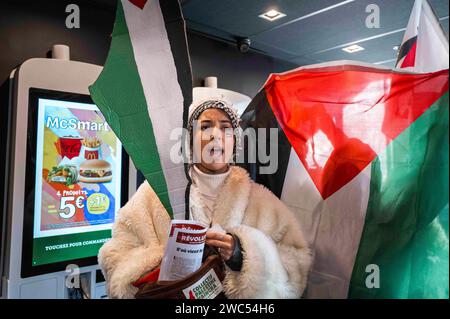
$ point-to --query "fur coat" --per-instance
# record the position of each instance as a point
(276, 259)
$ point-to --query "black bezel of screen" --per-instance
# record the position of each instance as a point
(27, 269)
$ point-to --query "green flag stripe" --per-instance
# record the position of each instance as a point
(125, 109)
(406, 226)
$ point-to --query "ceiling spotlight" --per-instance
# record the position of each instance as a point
(272, 15)
(353, 48)
(396, 48)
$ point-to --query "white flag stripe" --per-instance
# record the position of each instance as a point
(341, 225)
(162, 91)
(332, 227)
(301, 195)
(413, 22)
(432, 44)
(411, 28)
(432, 53)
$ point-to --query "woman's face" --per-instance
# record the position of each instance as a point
(213, 141)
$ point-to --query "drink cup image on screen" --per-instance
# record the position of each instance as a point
(68, 146)
(95, 171)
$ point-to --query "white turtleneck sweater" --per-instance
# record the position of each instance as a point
(208, 186)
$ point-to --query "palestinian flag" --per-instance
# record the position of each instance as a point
(363, 162)
(145, 90)
(425, 46)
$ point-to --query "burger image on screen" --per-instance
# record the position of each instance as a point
(95, 171)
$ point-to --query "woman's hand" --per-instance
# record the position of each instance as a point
(223, 242)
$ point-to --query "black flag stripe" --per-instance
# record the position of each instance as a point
(259, 115)
(405, 48)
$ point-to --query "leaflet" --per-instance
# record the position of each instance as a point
(184, 250)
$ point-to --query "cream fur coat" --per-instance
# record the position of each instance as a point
(276, 259)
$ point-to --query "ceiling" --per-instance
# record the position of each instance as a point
(312, 31)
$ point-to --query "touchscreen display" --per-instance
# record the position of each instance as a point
(77, 181)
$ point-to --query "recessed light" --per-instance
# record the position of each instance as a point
(396, 48)
(353, 48)
(272, 15)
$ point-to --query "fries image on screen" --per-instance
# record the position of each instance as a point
(91, 142)
(91, 147)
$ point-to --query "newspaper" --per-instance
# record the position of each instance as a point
(184, 250)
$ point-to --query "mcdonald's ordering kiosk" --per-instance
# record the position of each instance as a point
(66, 176)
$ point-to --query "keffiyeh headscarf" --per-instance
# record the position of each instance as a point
(197, 108)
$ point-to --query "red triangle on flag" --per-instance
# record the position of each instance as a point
(339, 121)
(410, 58)
(139, 3)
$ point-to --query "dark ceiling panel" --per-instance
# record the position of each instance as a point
(376, 50)
(319, 37)
(267, 47)
(284, 55)
(444, 24)
(240, 17)
(388, 63)
(339, 26)
(440, 7)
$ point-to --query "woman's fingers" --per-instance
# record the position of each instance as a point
(218, 244)
(224, 242)
(210, 234)
(225, 249)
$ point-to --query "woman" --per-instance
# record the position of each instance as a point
(259, 239)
